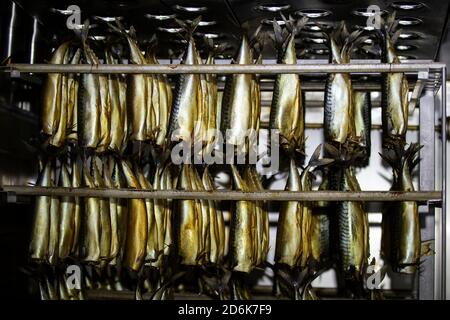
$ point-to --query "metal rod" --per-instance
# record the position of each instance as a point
(270, 195)
(444, 186)
(222, 68)
(320, 86)
(317, 125)
(427, 183)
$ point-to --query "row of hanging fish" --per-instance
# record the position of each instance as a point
(105, 112)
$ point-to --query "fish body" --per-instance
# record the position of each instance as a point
(289, 234)
(152, 238)
(108, 167)
(338, 108)
(76, 183)
(89, 106)
(216, 250)
(320, 230)
(104, 210)
(52, 257)
(353, 229)
(237, 101)
(394, 94)
(339, 124)
(41, 223)
(137, 95)
(59, 137)
(117, 110)
(185, 107)
(72, 104)
(242, 231)
(401, 226)
(159, 209)
(363, 123)
(187, 217)
(92, 222)
(306, 216)
(168, 183)
(51, 100)
(137, 230)
(67, 217)
(211, 109)
(286, 111)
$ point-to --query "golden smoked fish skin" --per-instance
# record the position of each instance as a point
(237, 101)
(401, 242)
(38, 249)
(137, 231)
(67, 218)
(289, 235)
(51, 100)
(186, 100)
(92, 222)
(242, 231)
(187, 226)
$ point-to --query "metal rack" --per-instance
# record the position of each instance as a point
(430, 81)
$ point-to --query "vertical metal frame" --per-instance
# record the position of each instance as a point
(444, 220)
(430, 271)
(427, 183)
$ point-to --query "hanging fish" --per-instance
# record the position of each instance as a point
(104, 209)
(41, 222)
(320, 230)
(217, 226)
(185, 106)
(59, 137)
(118, 182)
(89, 106)
(137, 94)
(287, 111)
(262, 240)
(338, 104)
(242, 230)
(257, 48)
(294, 251)
(237, 101)
(92, 222)
(67, 216)
(118, 114)
(353, 230)
(51, 99)
(187, 218)
(394, 93)
(363, 124)
(211, 83)
(161, 97)
(72, 103)
(76, 183)
(401, 244)
(137, 230)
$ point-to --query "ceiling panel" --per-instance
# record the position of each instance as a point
(224, 18)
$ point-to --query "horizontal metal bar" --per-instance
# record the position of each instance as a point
(271, 195)
(258, 292)
(320, 86)
(316, 125)
(222, 68)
